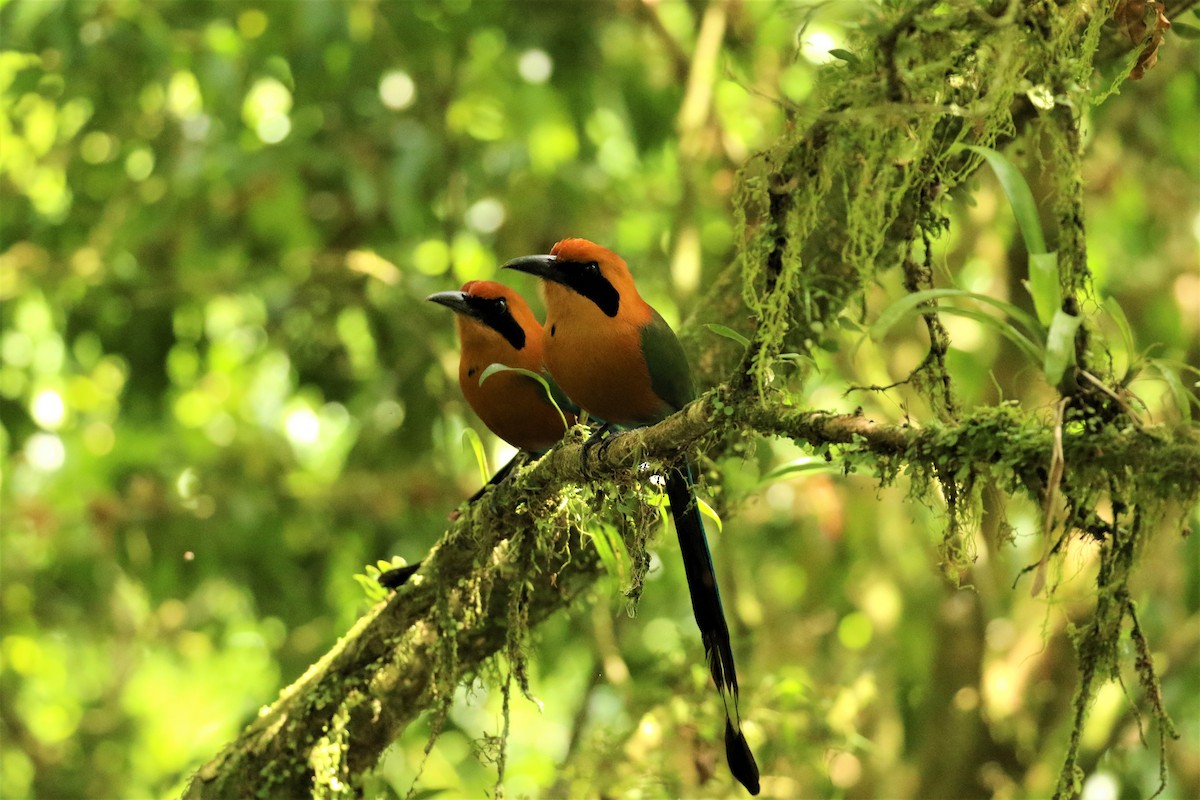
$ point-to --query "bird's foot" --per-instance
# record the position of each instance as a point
(599, 437)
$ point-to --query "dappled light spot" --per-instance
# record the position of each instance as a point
(48, 409)
(486, 215)
(302, 425)
(845, 769)
(535, 66)
(265, 109)
(431, 257)
(45, 452)
(855, 630)
(397, 90)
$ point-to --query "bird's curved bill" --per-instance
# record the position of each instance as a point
(542, 266)
(456, 301)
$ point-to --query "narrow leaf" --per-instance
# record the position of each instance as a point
(1179, 393)
(728, 333)
(604, 549)
(492, 369)
(1117, 315)
(1019, 196)
(472, 438)
(1043, 285)
(707, 511)
(802, 464)
(844, 55)
(1032, 350)
(1060, 346)
(908, 304)
(1185, 31)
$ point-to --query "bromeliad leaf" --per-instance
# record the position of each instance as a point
(1029, 342)
(1060, 346)
(610, 547)
(492, 369)
(1043, 265)
(1117, 315)
(1043, 285)
(1014, 185)
(1184, 400)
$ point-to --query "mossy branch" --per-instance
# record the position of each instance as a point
(394, 665)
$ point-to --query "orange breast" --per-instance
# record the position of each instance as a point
(598, 362)
(513, 407)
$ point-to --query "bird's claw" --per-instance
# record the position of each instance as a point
(602, 437)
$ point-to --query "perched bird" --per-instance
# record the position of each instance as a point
(496, 326)
(617, 359)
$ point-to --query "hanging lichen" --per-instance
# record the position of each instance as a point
(854, 193)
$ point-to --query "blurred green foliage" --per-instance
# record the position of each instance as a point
(222, 396)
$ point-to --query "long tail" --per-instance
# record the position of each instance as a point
(710, 618)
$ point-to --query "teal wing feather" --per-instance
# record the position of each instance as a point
(670, 377)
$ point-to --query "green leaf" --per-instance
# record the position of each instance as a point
(602, 541)
(1185, 31)
(1179, 393)
(844, 55)
(1033, 350)
(707, 511)
(1117, 315)
(1019, 196)
(492, 369)
(472, 438)
(368, 579)
(798, 359)
(1060, 346)
(908, 304)
(1043, 285)
(802, 464)
(728, 333)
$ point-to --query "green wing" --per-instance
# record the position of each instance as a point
(670, 377)
(559, 396)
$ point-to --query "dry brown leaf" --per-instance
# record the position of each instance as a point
(1133, 17)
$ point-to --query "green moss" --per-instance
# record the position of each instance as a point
(854, 192)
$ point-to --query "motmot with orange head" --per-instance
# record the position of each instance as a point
(496, 326)
(616, 358)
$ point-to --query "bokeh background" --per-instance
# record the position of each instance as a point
(223, 395)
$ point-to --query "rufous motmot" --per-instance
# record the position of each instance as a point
(616, 358)
(496, 326)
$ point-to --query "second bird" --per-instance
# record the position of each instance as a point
(496, 326)
(619, 360)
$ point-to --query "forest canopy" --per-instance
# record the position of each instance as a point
(224, 397)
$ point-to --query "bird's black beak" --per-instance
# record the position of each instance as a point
(545, 267)
(456, 301)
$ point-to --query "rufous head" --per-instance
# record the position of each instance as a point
(585, 268)
(490, 308)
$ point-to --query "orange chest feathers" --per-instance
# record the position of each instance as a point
(598, 362)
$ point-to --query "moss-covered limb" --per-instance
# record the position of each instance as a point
(403, 658)
(513, 556)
